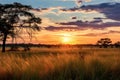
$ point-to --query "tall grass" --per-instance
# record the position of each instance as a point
(61, 64)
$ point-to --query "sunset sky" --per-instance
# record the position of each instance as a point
(75, 21)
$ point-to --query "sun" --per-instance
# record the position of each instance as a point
(67, 39)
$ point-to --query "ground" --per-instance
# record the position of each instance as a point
(61, 64)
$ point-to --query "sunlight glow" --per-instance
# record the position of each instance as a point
(67, 38)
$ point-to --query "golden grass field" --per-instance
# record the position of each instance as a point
(61, 64)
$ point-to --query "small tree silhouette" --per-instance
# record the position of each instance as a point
(117, 44)
(104, 42)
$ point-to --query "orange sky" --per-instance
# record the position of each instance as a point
(69, 37)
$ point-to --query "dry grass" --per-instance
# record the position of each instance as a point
(61, 64)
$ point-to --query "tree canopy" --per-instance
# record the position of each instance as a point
(104, 42)
(14, 18)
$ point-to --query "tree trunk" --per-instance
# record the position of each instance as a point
(4, 42)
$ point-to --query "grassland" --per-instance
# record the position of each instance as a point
(61, 64)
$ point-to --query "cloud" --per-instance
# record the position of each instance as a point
(96, 24)
(100, 34)
(116, 0)
(77, 31)
(110, 10)
(73, 17)
(78, 2)
(77, 10)
(54, 28)
(42, 11)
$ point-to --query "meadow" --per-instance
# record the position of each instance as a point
(61, 64)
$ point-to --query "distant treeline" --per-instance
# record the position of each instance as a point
(61, 45)
(48, 45)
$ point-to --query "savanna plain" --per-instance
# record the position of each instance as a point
(65, 63)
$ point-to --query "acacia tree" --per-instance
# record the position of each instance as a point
(104, 42)
(11, 22)
(117, 44)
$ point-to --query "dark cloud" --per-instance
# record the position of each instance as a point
(70, 9)
(74, 17)
(36, 9)
(40, 10)
(53, 28)
(99, 34)
(111, 10)
(44, 8)
(97, 20)
(96, 24)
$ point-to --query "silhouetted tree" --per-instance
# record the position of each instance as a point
(11, 21)
(117, 44)
(104, 42)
